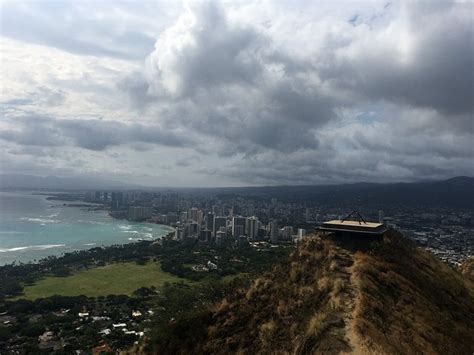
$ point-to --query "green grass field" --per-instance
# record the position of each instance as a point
(117, 278)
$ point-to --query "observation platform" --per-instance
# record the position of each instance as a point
(353, 228)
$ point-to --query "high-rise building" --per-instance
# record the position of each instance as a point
(217, 210)
(287, 232)
(179, 233)
(205, 235)
(139, 213)
(238, 230)
(193, 214)
(218, 223)
(301, 232)
(238, 226)
(252, 228)
(194, 228)
(199, 217)
(117, 200)
(273, 227)
(210, 221)
(117, 196)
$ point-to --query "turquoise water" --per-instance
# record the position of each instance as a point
(31, 228)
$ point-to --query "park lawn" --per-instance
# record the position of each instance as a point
(112, 279)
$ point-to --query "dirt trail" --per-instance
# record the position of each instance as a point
(354, 339)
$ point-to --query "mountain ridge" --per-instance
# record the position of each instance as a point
(456, 192)
(334, 298)
(12, 180)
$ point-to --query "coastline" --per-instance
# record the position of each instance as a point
(104, 248)
(39, 234)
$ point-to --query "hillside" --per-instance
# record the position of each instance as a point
(329, 298)
(467, 268)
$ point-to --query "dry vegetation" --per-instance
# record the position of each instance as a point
(467, 268)
(390, 298)
(410, 302)
(301, 307)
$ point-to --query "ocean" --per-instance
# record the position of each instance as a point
(32, 227)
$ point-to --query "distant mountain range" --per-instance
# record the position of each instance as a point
(455, 192)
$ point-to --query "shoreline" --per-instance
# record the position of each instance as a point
(169, 234)
(31, 251)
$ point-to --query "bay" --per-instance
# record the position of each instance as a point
(32, 227)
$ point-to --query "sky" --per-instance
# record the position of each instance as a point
(237, 93)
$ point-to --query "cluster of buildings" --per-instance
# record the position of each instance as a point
(213, 218)
(214, 228)
(237, 220)
(448, 235)
(168, 206)
(111, 321)
(123, 205)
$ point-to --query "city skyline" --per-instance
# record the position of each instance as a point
(237, 94)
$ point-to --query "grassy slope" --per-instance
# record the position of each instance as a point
(467, 268)
(411, 302)
(117, 278)
(390, 299)
(300, 307)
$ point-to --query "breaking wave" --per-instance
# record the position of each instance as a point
(32, 247)
(40, 220)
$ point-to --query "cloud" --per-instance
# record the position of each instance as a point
(227, 80)
(87, 28)
(91, 134)
(244, 87)
(243, 93)
(204, 50)
(423, 58)
(41, 96)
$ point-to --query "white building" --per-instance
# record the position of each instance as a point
(301, 232)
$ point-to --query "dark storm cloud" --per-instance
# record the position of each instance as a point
(91, 134)
(326, 166)
(234, 83)
(228, 80)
